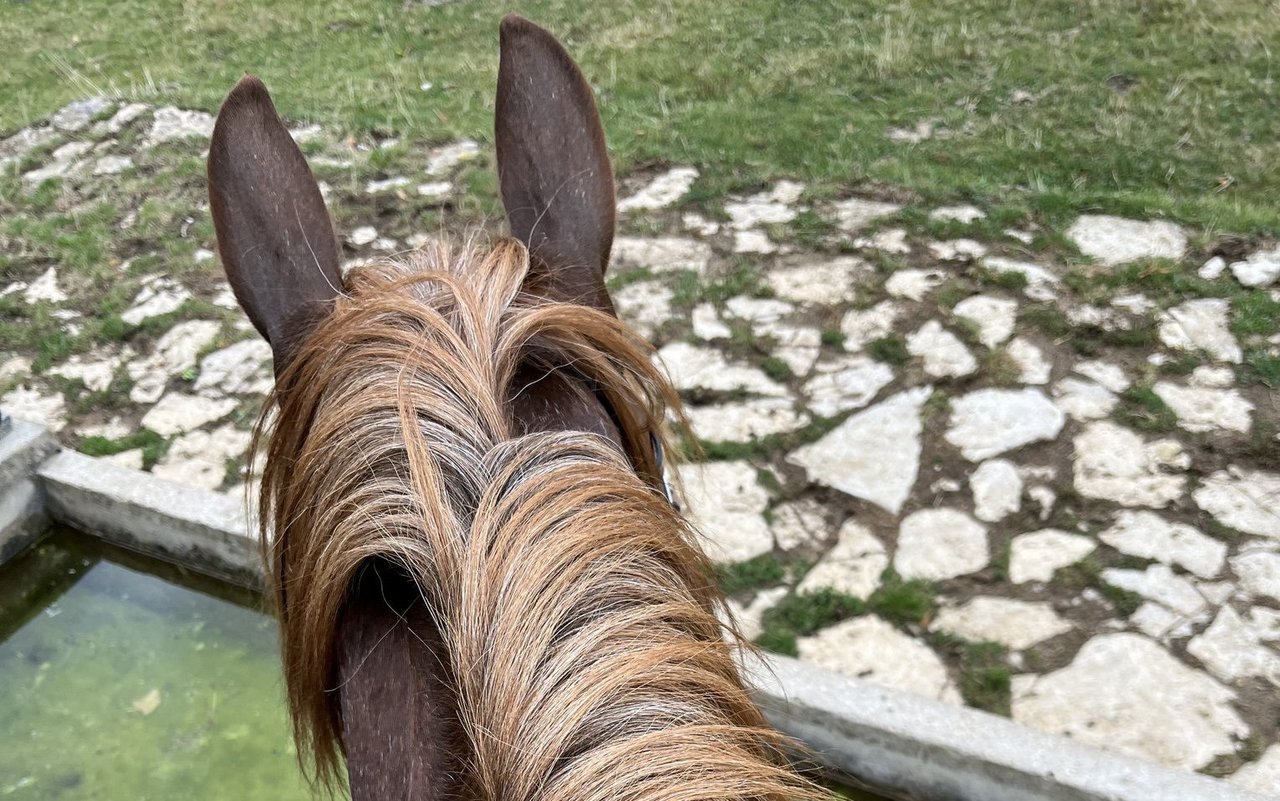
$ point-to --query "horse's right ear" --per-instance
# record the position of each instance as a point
(274, 233)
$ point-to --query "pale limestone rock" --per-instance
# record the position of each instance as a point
(943, 353)
(753, 242)
(1159, 583)
(1204, 409)
(115, 428)
(1136, 304)
(662, 191)
(760, 311)
(239, 369)
(961, 214)
(158, 296)
(386, 185)
(1115, 240)
(1025, 237)
(853, 566)
(644, 305)
(64, 161)
(958, 250)
(936, 544)
(434, 190)
(1041, 283)
(1035, 556)
(1247, 500)
(766, 208)
(199, 459)
(1207, 375)
(746, 420)
(1201, 324)
(870, 649)
(692, 221)
(661, 254)
(861, 326)
(131, 459)
(96, 375)
(850, 383)
(993, 316)
(15, 367)
(1259, 571)
(726, 504)
(989, 422)
(707, 325)
(112, 165)
(997, 490)
(174, 353)
(1083, 400)
(1261, 268)
(797, 346)
(1212, 268)
(1032, 366)
(692, 367)
(856, 213)
(914, 284)
(1262, 776)
(171, 124)
(1107, 374)
(748, 617)
(1150, 536)
(1159, 623)
(820, 283)
(442, 159)
(891, 240)
(364, 235)
(16, 147)
(1126, 694)
(874, 455)
(1014, 624)
(45, 289)
(1045, 498)
(1232, 650)
(26, 403)
(800, 523)
(1113, 463)
(177, 413)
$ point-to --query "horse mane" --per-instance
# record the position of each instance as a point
(576, 612)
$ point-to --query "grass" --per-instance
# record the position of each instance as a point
(890, 350)
(1140, 408)
(152, 444)
(757, 573)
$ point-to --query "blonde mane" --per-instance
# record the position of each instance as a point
(577, 613)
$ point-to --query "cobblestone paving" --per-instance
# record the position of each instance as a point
(1034, 471)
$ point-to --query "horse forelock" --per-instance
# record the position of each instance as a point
(577, 615)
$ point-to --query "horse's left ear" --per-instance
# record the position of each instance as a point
(274, 233)
(553, 164)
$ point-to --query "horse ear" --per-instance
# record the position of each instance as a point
(274, 233)
(553, 164)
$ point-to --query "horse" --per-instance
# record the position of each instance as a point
(483, 589)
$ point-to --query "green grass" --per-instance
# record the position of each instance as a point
(778, 89)
(152, 444)
(890, 350)
(1142, 409)
(758, 573)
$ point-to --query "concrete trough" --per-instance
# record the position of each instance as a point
(901, 745)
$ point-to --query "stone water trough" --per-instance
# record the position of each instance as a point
(895, 744)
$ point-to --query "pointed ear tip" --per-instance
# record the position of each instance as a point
(248, 90)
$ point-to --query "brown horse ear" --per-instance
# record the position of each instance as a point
(274, 233)
(553, 164)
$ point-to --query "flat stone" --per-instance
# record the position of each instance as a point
(199, 459)
(1149, 536)
(890, 240)
(989, 422)
(869, 649)
(997, 490)
(1212, 268)
(64, 161)
(96, 374)
(745, 421)
(1232, 650)
(1113, 463)
(1209, 375)
(1083, 400)
(158, 296)
(914, 284)
(443, 159)
(1204, 409)
(766, 208)
(1262, 776)
(177, 413)
(753, 242)
(45, 289)
(386, 185)
(662, 191)
(434, 190)
(936, 544)
(748, 618)
(1159, 583)
(958, 250)
(1258, 571)
(726, 504)
(363, 235)
(124, 116)
(1201, 324)
(132, 459)
(1161, 624)
(1124, 693)
(821, 283)
(1261, 268)
(961, 214)
(644, 305)
(850, 383)
(1032, 366)
(1044, 498)
(1247, 500)
(240, 369)
(994, 317)
(853, 566)
(1137, 304)
(1116, 240)
(171, 124)
(799, 524)
(115, 428)
(15, 148)
(174, 353)
(1107, 374)
(861, 326)
(26, 403)
(75, 116)
(856, 213)
(693, 367)
(874, 455)
(1035, 556)
(112, 165)
(692, 221)
(943, 353)
(1041, 283)
(1014, 624)
(661, 254)
(707, 325)
(759, 311)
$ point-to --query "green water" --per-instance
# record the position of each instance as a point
(89, 643)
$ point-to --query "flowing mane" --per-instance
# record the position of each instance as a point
(575, 613)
